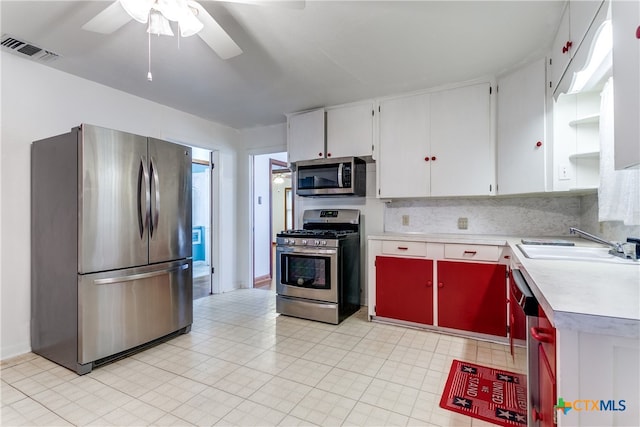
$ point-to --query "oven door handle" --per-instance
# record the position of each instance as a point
(307, 251)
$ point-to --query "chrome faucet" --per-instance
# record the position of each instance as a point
(617, 249)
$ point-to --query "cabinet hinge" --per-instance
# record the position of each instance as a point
(373, 147)
(508, 329)
(490, 187)
(378, 191)
(550, 61)
(550, 85)
(506, 273)
(490, 90)
(213, 270)
(378, 108)
(373, 112)
(213, 165)
(555, 417)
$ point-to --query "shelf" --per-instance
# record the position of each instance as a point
(587, 155)
(593, 119)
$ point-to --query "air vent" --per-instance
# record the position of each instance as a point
(22, 48)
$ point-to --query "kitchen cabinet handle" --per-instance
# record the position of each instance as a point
(441, 285)
(536, 415)
(470, 252)
(541, 336)
(539, 144)
(638, 32)
(402, 248)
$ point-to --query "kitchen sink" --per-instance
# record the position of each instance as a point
(572, 253)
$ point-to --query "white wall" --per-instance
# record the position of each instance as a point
(255, 141)
(38, 102)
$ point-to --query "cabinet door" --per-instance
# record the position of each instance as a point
(581, 15)
(403, 165)
(462, 154)
(350, 130)
(306, 136)
(404, 289)
(626, 69)
(545, 336)
(560, 55)
(472, 297)
(521, 131)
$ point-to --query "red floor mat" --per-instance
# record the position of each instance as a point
(489, 394)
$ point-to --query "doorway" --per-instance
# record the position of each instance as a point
(273, 212)
(201, 169)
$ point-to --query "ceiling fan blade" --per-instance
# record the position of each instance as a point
(109, 20)
(292, 4)
(214, 35)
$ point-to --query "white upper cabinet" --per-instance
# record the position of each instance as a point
(626, 77)
(305, 137)
(560, 51)
(404, 146)
(576, 20)
(522, 143)
(436, 144)
(462, 150)
(350, 130)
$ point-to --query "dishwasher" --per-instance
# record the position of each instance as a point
(524, 300)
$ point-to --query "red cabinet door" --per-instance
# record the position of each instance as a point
(404, 289)
(472, 297)
(545, 336)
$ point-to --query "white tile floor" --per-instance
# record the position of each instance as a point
(244, 365)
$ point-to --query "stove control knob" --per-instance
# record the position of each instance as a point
(304, 242)
(324, 243)
(317, 242)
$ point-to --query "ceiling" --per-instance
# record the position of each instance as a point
(325, 53)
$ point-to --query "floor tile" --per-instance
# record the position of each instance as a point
(244, 365)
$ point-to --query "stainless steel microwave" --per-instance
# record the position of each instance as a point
(343, 176)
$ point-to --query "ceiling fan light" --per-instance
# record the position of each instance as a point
(137, 9)
(158, 24)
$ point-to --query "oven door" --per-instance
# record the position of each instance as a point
(310, 273)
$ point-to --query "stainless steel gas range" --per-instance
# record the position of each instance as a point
(318, 267)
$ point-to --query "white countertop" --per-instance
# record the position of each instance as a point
(594, 297)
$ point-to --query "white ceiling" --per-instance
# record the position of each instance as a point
(327, 53)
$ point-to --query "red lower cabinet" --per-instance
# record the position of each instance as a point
(404, 289)
(545, 336)
(472, 297)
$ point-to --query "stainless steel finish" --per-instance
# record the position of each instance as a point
(171, 201)
(344, 216)
(312, 310)
(329, 295)
(100, 284)
(623, 250)
(108, 175)
(119, 311)
(357, 187)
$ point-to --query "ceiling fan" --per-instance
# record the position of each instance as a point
(192, 19)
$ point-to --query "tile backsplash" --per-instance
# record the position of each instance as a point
(549, 215)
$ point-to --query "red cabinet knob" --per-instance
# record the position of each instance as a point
(320, 154)
(433, 158)
(429, 284)
(638, 32)
(328, 154)
(426, 159)
(539, 144)
(441, 285)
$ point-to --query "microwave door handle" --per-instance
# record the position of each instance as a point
(340, 165)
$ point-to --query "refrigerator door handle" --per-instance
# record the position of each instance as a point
(139, 276)
(143, 189)
(156, 193)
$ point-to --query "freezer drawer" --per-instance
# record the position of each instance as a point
(122, 309)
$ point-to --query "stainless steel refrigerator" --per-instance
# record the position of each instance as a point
(111, 267)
